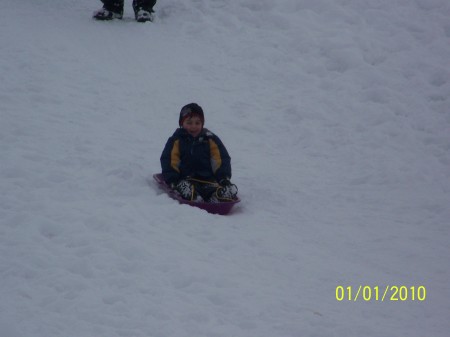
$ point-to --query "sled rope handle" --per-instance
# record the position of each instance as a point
(204, 181)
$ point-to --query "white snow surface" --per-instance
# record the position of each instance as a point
(337, 118)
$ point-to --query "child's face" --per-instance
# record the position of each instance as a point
(193, 125)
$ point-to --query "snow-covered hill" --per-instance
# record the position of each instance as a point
(337, 118)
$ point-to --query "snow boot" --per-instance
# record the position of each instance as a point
(185, 189)
(227, 193)
(110, 10)
(143, 10)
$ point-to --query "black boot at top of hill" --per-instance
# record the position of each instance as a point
(113, 9)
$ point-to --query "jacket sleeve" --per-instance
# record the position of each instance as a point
(220, 159)
(170, 160)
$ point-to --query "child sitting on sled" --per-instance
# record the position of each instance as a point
(195, 162)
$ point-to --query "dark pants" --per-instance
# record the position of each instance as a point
(203, 188)
(118, 4)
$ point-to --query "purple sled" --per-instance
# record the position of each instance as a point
(221, 208)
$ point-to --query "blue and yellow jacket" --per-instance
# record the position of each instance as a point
(204, 157)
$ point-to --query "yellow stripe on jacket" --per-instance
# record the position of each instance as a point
(175, 158)
(216, 159)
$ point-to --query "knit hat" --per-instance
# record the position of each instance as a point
(189, 110)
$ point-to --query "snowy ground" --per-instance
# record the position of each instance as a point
(337, 118)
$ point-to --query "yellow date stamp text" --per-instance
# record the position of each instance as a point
(385, 293)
